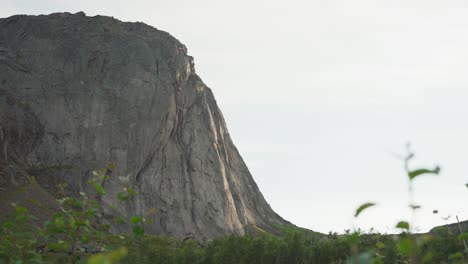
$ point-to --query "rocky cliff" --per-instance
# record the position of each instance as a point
(79, 92)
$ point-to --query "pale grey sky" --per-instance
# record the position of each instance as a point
(317, 96)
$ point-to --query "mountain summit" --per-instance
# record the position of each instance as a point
(79, 92)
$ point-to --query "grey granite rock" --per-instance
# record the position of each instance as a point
(78, 92)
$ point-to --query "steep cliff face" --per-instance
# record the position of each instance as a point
(78, 92)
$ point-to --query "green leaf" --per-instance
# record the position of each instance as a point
(404, 246)
(458, 256)
(379, 245)
(138, 230)
(81, 223)
(131, 191)
(98, 187)
(463, 236)
(21, 210)
(403, 225)
(352, 239)
(58, 222)
(120, 220)
(415, 173)
(122, 196)
(8, 225)
(362, 208)
(136, 219)
(90, 212)
(84, 239)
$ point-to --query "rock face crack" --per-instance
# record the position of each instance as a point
(78, 92)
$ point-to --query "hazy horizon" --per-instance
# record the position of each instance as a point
(319, 98)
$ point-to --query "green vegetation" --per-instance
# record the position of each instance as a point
(76, 233)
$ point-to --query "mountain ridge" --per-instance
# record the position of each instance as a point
(78, 92)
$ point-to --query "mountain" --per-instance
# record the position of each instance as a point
(453, 228)
(79, 92)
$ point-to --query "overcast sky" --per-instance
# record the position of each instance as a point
(320, 96)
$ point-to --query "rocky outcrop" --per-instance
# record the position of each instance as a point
(78, 92)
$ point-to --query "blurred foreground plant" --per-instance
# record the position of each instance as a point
(416, 248)
(75, 231)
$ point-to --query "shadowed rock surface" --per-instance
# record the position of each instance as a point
(78, 92)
